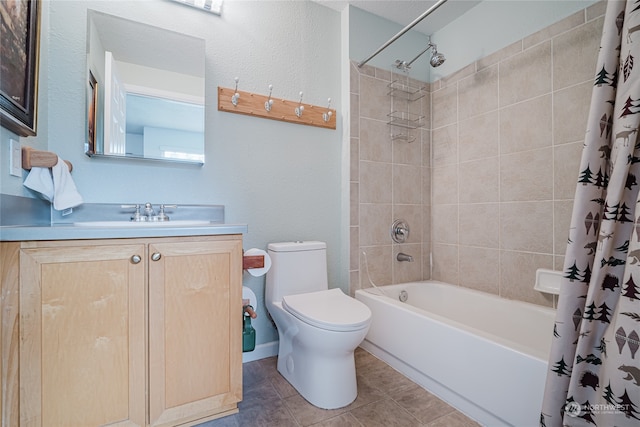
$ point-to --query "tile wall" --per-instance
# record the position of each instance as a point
(390, 179)
(500, 154)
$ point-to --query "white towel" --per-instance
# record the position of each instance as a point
(56, 185)
(40, 180)
(65, 192)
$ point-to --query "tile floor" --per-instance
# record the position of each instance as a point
(385, 398)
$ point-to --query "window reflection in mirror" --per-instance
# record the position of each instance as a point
(164, 128)
(145, 92)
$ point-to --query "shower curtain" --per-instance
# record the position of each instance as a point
(594, 370)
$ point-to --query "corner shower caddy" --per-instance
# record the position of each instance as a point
(405, 113)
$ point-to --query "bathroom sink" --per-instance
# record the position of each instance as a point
(175, 223)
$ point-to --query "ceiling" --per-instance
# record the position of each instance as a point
(404, 12)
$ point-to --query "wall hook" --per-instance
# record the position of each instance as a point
(327, 116)
(254, 105)
(236, 95)
(300, 108)
(268, 103)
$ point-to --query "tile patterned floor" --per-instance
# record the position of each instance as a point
(385, 398)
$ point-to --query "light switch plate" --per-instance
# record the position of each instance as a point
(15, 159)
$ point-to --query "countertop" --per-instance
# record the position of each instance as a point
(72, 232)
(56, 225)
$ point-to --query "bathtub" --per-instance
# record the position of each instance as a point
(484, 355)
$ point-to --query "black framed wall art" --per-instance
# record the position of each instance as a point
(19, 52)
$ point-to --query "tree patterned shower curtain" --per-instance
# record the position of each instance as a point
(594, 370)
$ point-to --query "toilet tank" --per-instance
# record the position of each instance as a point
(296, 268)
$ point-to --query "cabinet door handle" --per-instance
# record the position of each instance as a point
(156, 256)
(136, 259)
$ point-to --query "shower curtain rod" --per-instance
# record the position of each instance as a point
(404, 30)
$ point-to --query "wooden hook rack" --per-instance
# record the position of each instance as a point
(253, 104)
(38, 158)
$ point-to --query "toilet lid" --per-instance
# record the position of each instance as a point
(330, 309)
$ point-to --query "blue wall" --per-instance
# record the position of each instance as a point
(486, 28)
(283, 180)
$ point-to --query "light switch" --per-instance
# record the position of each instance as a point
(15, 159)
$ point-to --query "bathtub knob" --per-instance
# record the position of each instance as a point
(399, 231)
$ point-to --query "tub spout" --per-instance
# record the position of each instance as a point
(404, 257)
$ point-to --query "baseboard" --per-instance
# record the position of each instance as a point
(261, 351)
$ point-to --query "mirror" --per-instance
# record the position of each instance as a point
(145, 91)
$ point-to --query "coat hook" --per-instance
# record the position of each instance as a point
(327, 116)
(300, 108)
(236, 95)
(269, 102)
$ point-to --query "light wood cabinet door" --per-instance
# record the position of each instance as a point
(9, 334)
(195, 330)
(82, 334)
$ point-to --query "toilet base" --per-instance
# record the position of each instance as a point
(327, 383)
(318, 363)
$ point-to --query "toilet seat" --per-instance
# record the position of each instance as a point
(331, 310)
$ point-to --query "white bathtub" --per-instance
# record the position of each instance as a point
(484, 355)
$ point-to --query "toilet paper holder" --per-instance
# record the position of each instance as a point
(256, 262)
(252, 261)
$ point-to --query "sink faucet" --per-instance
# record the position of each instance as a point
(404, 257)
(149, 212)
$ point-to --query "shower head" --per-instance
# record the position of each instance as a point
(437, 59)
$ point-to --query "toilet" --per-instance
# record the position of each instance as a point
(319, 328)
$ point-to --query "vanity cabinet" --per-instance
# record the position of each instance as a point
(82, 335)
(195, 329)
(128, 332)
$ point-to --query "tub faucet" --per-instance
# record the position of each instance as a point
(404, 257)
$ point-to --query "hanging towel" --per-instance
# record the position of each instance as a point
(65, 193)
(55, 185)
(40, 180)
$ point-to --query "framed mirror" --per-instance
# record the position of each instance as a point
(145, 91)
